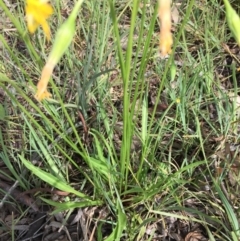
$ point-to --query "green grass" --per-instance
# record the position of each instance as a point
(142, 162)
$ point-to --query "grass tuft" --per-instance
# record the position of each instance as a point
(131, 146)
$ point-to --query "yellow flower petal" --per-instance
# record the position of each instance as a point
(37, 12)
(46, 30)
(32, 25)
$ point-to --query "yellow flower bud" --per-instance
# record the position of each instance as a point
(63, 39)
(233, 21)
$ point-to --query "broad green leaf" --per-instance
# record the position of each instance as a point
(50, 179)
(69, 205)
(121, 225)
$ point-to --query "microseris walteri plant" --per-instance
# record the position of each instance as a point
(233, 20)
(165, 38)
(37, 13)
(62, 40)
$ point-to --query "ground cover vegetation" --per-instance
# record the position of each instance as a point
(124, 142)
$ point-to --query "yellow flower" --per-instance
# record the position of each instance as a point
(178, 100)
(164, 14)
(37, 12)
